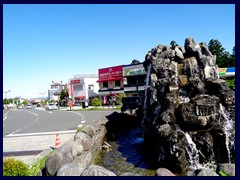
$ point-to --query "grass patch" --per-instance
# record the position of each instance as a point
(110, 108)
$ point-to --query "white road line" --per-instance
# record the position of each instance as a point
(6, 115)
(80, 125)
(42, 133)
(33, 113)
(4, 118)
(82, 121)
(76, 113)
(28, 124)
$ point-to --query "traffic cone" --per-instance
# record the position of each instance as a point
(57, 143)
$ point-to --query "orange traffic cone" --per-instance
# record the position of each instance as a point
(57, 143)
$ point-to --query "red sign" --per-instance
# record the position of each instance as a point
(70, 90)
(110, 74)
(75, 81)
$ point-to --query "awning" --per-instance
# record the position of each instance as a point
(114, 94)
(80, 97)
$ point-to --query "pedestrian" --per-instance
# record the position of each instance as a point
(70, 105)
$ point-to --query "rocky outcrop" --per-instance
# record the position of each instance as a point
(188, 112)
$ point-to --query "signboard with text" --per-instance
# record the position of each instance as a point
(75, 81)
(134, 70)
(110, 74)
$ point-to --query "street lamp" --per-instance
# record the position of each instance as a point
(6, 93)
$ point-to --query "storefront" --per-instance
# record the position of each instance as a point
(134, 79)
(82, 88)
(110, 84)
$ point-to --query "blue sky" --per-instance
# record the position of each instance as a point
(45, 43)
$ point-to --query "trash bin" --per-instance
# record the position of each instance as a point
(83, 105)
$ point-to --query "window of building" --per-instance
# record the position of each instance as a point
(90, 87)
(105, 84)
(77, 87)
(118, 83)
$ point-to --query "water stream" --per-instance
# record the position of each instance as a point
(126, 155)
(229, 130)
(146, 91)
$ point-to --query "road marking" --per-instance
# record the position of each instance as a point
(5, 116)
(33, 113)
(80, 125)
(77, 113)
(42, 133)
(82, 121)
(28, 124)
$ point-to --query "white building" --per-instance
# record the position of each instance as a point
(55, 87)
(83, 87)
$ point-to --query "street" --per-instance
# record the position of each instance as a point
(36, 129)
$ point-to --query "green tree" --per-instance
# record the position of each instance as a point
(173, 44)
(63, 94)
(216, 48)
(25, 103)
(6, 101)
(232, 58)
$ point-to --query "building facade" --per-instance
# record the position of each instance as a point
(110, 83)
(55, 89)
(82, 88)
(134, 79)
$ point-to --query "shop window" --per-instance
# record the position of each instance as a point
(77, 87)
(105, 84)
(91, 87)
(118, 83)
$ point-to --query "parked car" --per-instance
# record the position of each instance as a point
(29, 106)
(132, 103)
(20, 106)
(10, 105)
(51, 106)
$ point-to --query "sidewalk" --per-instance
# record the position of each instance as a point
(33, 145)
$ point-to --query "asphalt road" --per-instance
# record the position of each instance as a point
(34, 130)
(20, 122)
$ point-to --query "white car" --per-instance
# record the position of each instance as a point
(51, 106)
(29, 106)
(20, 106)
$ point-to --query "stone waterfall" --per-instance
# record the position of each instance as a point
(189, 113)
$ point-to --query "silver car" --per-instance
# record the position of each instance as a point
(51, 106)
(29, 106)
(20, 106)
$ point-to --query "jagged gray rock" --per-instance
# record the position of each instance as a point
(187, 108)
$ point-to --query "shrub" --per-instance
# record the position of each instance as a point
(231, 83)
(38, 166)
(119, 98)
(14, 167)
(96, 102)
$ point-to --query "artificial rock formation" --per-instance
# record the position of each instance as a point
(188, 116)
